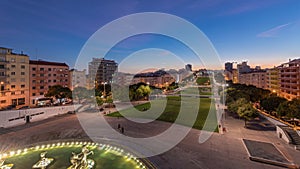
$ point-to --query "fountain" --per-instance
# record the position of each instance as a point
(44, 162)
(6, 166)
(72, 155)
(80, 161)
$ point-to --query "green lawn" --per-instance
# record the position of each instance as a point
(203, 81)
(199, 90)
(170, 113)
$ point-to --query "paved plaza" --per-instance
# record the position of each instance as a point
(220, 151)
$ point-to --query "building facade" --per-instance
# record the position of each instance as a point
(43, 75)
(273, 80)
(255, 78)
(158, 79)
(100, 71)
(14, 79)
(188, 67)
(78, 78)
(289, 79)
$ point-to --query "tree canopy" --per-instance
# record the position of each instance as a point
(59, 92)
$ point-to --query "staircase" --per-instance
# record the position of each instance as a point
(295, 138)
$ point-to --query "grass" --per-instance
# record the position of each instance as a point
(61, 155)
(203, 81)
(171, 111)
(200, 91)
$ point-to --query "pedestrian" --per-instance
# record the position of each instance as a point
(122, 130)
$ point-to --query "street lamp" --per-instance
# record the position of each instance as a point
(104, 94)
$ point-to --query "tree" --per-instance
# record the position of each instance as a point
(283, 109)
(271, 103)
(247, 112)
(99, 100)
(59, 92)
(234, 106)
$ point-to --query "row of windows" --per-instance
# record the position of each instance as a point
(12, 66)
(49, 81)
(49, 69)
(49, 75)
(14, 86)
(14, 93)
(14, 73)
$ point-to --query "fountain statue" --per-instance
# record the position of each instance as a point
(43, 162)
(80, 161)
(6, 166)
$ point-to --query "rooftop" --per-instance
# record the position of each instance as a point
(41, 62)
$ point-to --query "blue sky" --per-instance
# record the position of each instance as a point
(265, 33)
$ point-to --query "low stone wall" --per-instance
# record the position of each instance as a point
(12, 118)
(283, 135)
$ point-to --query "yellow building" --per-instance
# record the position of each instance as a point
(14, 79)
(272, 80)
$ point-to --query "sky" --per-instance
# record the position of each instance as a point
(265, 33)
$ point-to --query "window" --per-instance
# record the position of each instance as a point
(22, 92)
(41, 87)
(22, 66)
(41, 81)
(33, 81)
(13, 66)
(49, 87)
(13, 73)
(13, 93)
(41, 69)
(33, 101)
(54, 80)
(41, 75)
(2, 67)
(54, 74)
(34, 69)
(3, 101)
(21, 101)
(49, 75)
(22, 79)
(33, 94)
(13, 86)
(41, 93)
(22, 73)
(14, 101)
(33, 75)
(22, 60)
(49, 80)
(49, 69)
(33, 87)
(13, 60)
(23, 86)
(2, 74)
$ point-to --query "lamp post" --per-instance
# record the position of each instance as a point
(104, 92)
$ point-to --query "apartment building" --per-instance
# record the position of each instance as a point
(78, 78)
(43, 75)
(100, 71)
(158, 79)
(289, 79)
(14, 78)
(256, 78)
(272, 80)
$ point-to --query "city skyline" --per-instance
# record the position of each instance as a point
(264, 33)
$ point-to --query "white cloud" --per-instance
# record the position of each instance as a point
(273, 32)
